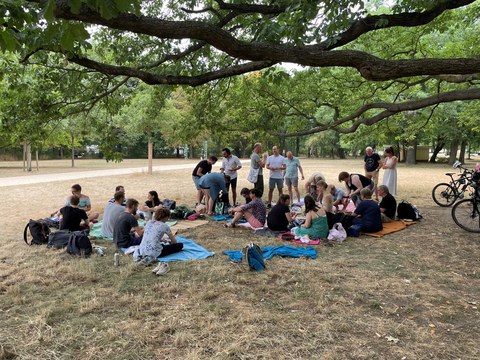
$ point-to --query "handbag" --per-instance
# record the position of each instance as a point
(253, 175)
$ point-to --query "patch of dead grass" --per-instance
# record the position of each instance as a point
(419, 286)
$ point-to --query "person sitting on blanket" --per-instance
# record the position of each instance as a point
(126, 231)
(246, 195)
(369, 216)
(255, 212)
(111, 213)
(340, 198)
(84, 203)
(151, 205)
(280, 216)
(153, 244)
(117, 189)
(388, 205)
(316, 224)
(73, 218)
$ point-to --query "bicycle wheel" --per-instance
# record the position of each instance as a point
(444, 194)
(466, 214)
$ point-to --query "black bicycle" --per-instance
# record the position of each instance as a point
(446, 194)
(466, 212)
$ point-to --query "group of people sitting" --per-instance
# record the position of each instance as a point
(120, 222)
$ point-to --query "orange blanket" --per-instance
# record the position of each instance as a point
(391, 227)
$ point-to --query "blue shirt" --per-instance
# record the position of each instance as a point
(292, 168)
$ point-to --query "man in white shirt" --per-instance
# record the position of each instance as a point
(230, 165)
(276, 164)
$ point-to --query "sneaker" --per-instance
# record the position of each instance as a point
(157, 268)
(164, 268)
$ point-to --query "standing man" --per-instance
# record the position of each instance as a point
(230, 165)
(203, 167)
(373, 163)
(126, 231)
(276, 165)
(258, 163)
(291, 174)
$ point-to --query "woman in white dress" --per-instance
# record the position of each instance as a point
(390, 168)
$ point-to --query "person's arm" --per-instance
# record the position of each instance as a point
(238, 165)
(173, 239)
(328, 204)
(289, 216)
(308, 220)
(284, 165)
(224, 165)
(268, 165)
(200, 172)
(358, 184)
(301, 171)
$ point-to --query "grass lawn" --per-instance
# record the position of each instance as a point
(414, 294)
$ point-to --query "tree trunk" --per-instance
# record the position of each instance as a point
(297, 146)
(461, 156)
(24, 154)
(61, 152)
(29, 156)
(411, 156)
(73, 148)
(36, 158)
(453, 150)
(150, 155)
(436, 149)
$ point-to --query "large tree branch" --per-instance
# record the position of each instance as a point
(150, 78)
(389, 110)
(370, 67)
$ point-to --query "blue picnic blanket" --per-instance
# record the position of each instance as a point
(271, 251)
(191, 251)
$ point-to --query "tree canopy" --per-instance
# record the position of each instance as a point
(380, 58)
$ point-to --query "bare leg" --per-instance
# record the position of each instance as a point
(208, 201)
(199, 196)
(234, 195)
(270, 195)
(297, 193)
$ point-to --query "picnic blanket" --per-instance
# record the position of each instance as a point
(391, 227)
(271, 251)
(191, 251)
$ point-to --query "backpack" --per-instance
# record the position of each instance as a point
(169, 204)
(58, 239)
(406, 211)
(79, 244)
(38, 231)
(253, 256)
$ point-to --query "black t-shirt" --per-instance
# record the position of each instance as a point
(372, 162)
(149, 203)
(204, 165)
(390, 205)
(72, 217)
(363, 179)
(122, 227)
(276, 219)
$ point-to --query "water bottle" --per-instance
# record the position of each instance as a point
(116, 259)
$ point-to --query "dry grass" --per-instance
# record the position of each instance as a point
(420, 286)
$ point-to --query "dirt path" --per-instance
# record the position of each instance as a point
(43, 178)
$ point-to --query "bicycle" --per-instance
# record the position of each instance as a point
(466, 212)
(446, 194)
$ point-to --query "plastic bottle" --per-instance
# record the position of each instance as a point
(116, 259)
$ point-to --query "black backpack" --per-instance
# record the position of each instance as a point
(79, 244)
(406, 211)
(39, 231)
(58, 239)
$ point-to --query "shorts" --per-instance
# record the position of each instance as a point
(195, 181)
(291, 181)
(254, 223)
(277, 182)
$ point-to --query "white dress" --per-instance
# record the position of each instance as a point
(390, 177)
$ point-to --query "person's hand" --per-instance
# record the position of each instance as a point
(303, 177)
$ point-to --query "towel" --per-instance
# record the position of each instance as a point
(390, 227)
(191, 251)
(271, 251)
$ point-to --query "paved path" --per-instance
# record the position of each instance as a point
(36, 179)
